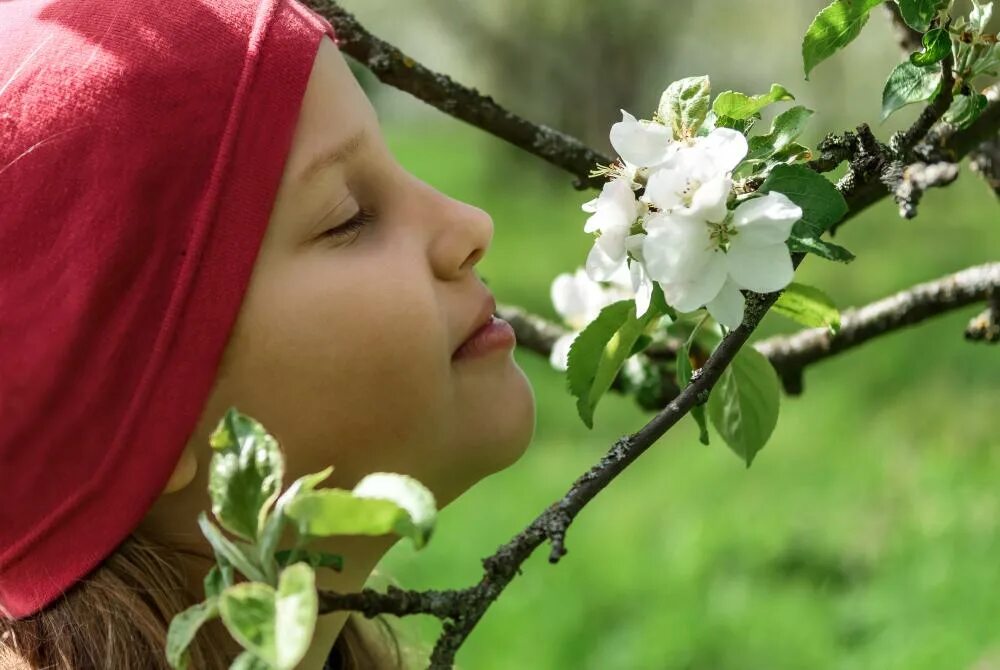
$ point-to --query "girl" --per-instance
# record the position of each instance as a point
(197, 211)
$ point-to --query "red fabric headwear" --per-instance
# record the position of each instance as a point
(142, 143)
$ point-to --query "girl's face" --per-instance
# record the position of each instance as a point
(343, 346)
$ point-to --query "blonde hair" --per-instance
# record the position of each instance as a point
(117, 617)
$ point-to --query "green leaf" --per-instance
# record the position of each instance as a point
(275, 523)
(739, 106)
(338, 512)
(410, 495)
(909, 83)
(237, 555)
(247, 661)
(276, 626)
(965, 109)
(821, 248)
(809, 306)
(685, 103)
(785, 128)
(183, 628)
(918, 14)
(833, 29)
(822, 204)
(743, 405)
(599, 351)
(937, 45)
(218, 578)
(244, 475)
(683, 381)
(317, 559)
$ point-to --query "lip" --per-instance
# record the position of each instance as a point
(489, 333)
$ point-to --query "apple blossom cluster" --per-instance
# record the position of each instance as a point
(681, 232)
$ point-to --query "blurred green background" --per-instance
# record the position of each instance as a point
(867, 533)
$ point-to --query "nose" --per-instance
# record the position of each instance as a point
(461, 235)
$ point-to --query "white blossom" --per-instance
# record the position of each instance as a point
(642, 143)
(702, 262)
(696, 180)
(612, 215)
(578, 299)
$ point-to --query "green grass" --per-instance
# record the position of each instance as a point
(866, 534)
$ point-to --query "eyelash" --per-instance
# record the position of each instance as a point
(353, 224)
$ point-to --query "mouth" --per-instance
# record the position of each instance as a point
(488, 333)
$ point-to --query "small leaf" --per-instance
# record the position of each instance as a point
(937, 45)
(833, 29)
(599, 351)
(276, 626)
(297, 609)
(237, 555)
(183, 628)
(275, 523)
(739, 106)
(918, 14)
(248, 610)
(821, 248)
(909, 83)
(409, 494)
(247, 661)
(317, 559)
(822, 204)
(683, 381)
(965, 109)
(685, 104)
(786, 127)
(743, 405)
(218, 578)
(244, 475)
(809, 306)
(338, 512)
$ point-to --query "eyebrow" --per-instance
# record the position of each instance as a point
(331, 157)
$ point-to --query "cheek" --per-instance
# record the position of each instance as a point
(350, 364)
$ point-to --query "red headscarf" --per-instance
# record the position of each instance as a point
(142, 143)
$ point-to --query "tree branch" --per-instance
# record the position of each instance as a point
(395, 68)
(790, 354)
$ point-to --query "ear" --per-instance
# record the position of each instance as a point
(183, 473)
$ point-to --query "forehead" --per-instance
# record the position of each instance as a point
(334, 108)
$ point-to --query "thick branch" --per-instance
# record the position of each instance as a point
(790, 354)
(395, 68)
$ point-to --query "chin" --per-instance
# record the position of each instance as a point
(500, 438)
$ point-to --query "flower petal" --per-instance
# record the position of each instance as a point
(676, 248)
(641, 143)
(599, 265)
(727, 307)
(766, 220)
(642, 287)
(709, 201)
(664, 188)
(689, 295)
(762, 269)
(723, 149)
